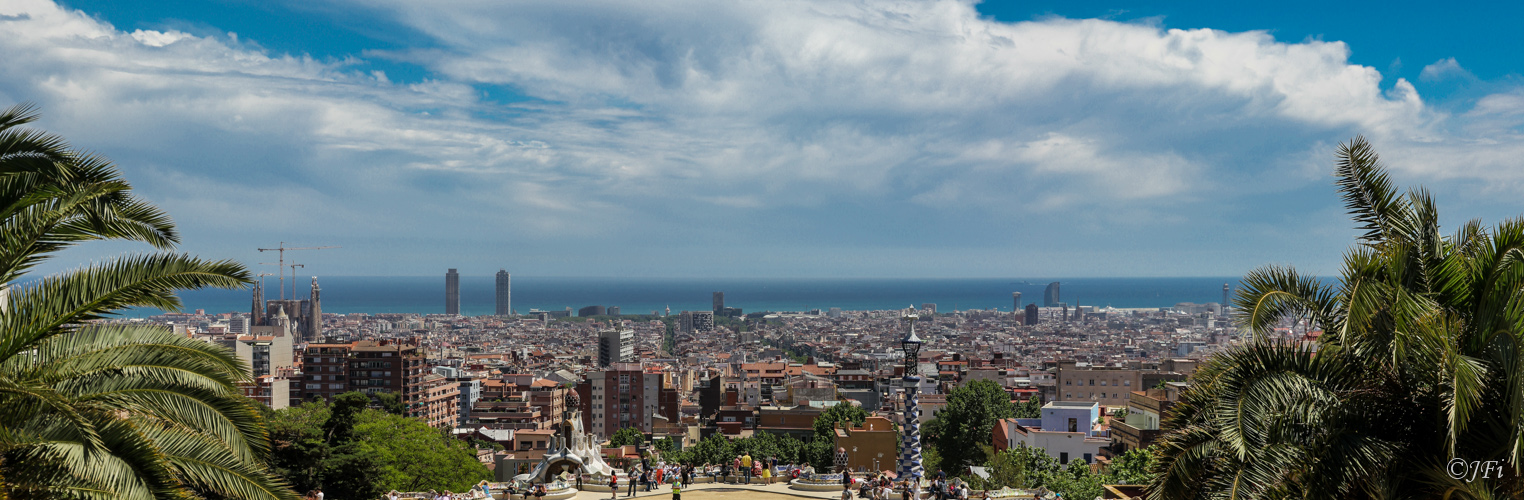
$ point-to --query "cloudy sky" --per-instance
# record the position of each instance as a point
(772, 138)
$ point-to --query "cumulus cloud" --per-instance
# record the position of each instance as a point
(700, 112)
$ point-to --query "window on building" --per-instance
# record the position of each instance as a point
(1063, 457)
(1092, 381)
(1087, 458)
(1073, 427)
(1126, 383)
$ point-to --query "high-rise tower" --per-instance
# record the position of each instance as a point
(1225, 290)
(1016, 302)
(504, 293)
(452, 292)
(1050, 295)
(616, 345)
(719, 303)
(314, 323)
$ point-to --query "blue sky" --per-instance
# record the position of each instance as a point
(779, 139)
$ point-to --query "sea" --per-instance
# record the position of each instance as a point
(426, 294)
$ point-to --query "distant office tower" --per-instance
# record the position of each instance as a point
(719, 302)
(1050, 296)
(1225, 290)
(929, 307)
(616, 346)
(504, 293)
(612, 311)
(1016, 302)
(313, 325)
(592, 311)
(452, 292)
(1065, 316)
(1031, 314)
(257, 313)
(696, 321)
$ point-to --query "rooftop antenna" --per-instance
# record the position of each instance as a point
(282, 263)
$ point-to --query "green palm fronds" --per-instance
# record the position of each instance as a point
(1420, 363)
(95, 410)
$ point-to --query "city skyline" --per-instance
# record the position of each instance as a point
(871, 139)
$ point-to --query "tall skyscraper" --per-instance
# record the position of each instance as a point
(1016, 302)
(1050, 295)
(314, 323)
(1031, 314)
(616, 346)
(1225, 290)
(452, 292)
(504, 293)
(719, 303)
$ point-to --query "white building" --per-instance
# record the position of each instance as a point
(1066, 431)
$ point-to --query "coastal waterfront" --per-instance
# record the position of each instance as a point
(424, 294)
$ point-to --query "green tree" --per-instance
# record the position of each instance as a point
(968, 421)
(363, 452)
(298, 447)
(1032, 408)
(91, 410)
(825, 423)
(1419, 364)
(664, 445)
(714, 449)
(1132, 467)
(627, 436)
(389, 402)
(415, 457)
(1076, 480)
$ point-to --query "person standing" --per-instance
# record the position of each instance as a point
(677, 490)
(613, 486)
(746, 465)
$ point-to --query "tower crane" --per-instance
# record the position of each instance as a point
(282, 263)
(293, 267)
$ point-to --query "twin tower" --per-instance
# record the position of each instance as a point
(504, 293)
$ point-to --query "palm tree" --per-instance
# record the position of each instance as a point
(96, 410)
(1419, 365)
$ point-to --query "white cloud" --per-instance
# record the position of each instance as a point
(1444, 69)
(700, 112)
(153, 38)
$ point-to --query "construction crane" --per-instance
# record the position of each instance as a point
(282, 263)
(280, 273)
(293, 267)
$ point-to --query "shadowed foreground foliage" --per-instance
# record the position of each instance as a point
(1420, 363)
(118, 411)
